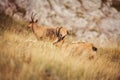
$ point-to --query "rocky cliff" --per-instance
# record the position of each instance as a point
(89, 20)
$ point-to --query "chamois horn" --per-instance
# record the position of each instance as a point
(33, 16)
(58, 31)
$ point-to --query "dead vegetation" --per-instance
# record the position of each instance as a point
(22, 57)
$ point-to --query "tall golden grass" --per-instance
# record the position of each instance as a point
(22, 57)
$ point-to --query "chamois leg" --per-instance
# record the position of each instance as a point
(57, 40)
(38, 38)
(60, 38)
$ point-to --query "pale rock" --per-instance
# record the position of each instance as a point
(91, 4)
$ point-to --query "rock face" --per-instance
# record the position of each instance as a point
(91, 20)
(91, 4)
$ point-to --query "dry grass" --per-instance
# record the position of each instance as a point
(22, 57)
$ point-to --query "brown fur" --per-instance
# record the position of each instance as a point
(43, 32)
(81, 48)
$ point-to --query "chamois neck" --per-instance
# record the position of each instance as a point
(34, 27)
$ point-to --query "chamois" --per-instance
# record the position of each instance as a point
(81, 49)
(61, 34)
(55, 34)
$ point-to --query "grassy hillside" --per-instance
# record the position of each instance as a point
(22, 57)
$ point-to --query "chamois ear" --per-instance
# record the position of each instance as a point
(36, 21)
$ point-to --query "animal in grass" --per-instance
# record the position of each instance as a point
(81, 49)
(61, 34)
(55, 34)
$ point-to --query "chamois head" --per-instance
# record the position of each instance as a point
(32, 22)
(61, 33)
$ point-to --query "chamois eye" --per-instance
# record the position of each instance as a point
(30, 22)
(36, 21)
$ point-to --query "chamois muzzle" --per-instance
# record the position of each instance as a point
(94, 48)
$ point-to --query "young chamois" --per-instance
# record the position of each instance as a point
(56, 34)
(81, 49)
(61, 33)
